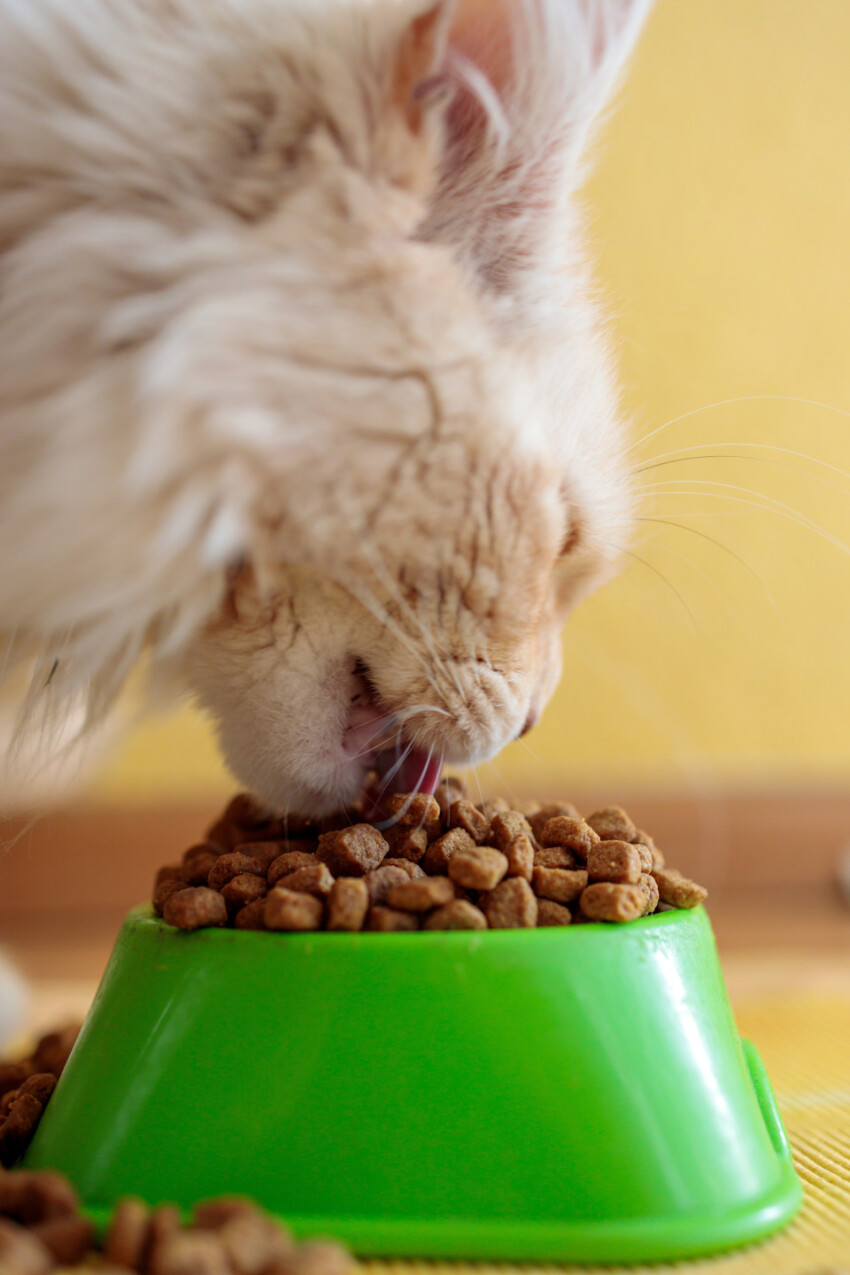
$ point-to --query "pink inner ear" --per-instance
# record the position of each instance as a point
(417, 59)
(480, 32)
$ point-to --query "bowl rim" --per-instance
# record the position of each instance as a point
(224, 933)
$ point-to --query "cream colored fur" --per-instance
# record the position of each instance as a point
(303, 387)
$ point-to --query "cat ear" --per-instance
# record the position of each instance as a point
(419, 56)
(527, 81)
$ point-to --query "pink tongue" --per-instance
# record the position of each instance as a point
(419, 772)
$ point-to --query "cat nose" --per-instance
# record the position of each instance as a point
(531, 720)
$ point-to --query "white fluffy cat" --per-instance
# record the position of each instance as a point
(303, 388)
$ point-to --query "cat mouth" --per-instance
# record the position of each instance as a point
(373, 737)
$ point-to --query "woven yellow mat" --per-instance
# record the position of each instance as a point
(805, 1043)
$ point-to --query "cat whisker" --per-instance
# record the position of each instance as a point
(728, 402)
(761, 502)
(695, 531)
(398, 720)
(630, 553)
(698, 452)
(696, 567)
(660, 463)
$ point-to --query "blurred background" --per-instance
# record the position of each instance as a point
(707, 687)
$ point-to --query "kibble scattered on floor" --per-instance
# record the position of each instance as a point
(43, 1230)
(26, 1085)
(436, 863)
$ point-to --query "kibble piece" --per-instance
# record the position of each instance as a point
(650, 888)
(348, 903)
(223, 835)
(540, 817)
(506, 826)
(406, 843)
(614, 861)
(573, 834)
(252, 916)
(480, 868)
(349, 852)
(190, 1253)
(493, 806)
(164, 1225)
(381, 881)
(170, 872)
(18, 1127)
(416, 810)
(314, 879)
(646, 840)
(609, 901)
(438, 854)
(318, 1257)
(244, 889)
(252, 1242)
(460, 914)
(448, 791)
(678, 891)
(388, 920)
(551, 913)
(247, 811)
(288, 910)
(611, 823)
(288, 862)
(197, 863)
(41, 1086)
(520, 857)
(54, 1049)
(645, 855)
(413, 870)
(559, 884)
(212, 1215)
(195, 908)
(44, 1195)
(462, 814)
(265, 851)
(16, 1195)
(421, 896)
(511, 905)
(127, 1234)
(234, 864)
(163, 892)
(555, 857)
(21, 1252)
(13, 1074)
(66, 1238)
(6, 1101)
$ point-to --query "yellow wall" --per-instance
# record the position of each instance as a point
(721, 218)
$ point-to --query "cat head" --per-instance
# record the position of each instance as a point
(451, 479)
(301, 367)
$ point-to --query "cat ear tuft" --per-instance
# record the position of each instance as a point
(420, 54)
(529, 78)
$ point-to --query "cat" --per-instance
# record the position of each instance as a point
(304, 389)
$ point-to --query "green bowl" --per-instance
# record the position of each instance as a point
(554, 1094)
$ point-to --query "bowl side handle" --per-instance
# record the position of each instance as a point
(766, 1099)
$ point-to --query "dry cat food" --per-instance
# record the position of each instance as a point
(441, 863)
(25, 1089)
(42, 1230)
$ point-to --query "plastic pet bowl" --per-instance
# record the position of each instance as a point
(554, 1094)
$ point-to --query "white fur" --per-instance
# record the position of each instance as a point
(297, 376)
